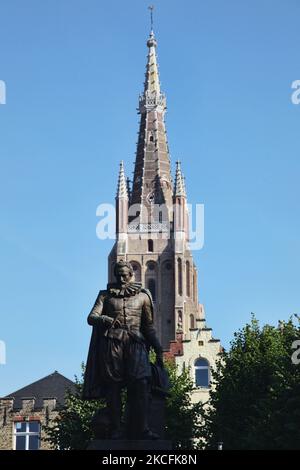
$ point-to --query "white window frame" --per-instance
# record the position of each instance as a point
(207, 367)
(26, 433)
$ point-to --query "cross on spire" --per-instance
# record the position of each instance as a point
(151, 8)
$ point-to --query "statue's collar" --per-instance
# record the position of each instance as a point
(130, 289)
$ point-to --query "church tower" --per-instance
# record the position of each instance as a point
(152, 223)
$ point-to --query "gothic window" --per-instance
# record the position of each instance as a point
(151, 265)
(136, 270)
(112, 275)
(27, 435)
(150, 278)
(160, 217)
(151, 197)
(150, 246)
(179, 322)
(167, 266)
(202, 372)
(194, 286)
(179, 267)
(192, 321)
(151, 287)
(187, 273)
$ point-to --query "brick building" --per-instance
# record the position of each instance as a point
(25, 413)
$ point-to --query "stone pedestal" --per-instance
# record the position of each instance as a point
(108, 444)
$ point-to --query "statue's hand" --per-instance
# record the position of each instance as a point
(106, 321)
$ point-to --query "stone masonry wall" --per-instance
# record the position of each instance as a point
(9, 416)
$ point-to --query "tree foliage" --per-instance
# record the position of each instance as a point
(71, 430)
(182, 416)
(256, 402)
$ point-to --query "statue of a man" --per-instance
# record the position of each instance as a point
(123, 332)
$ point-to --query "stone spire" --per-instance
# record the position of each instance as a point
(122, 206)
(179, 187)
(184, 186)
(152, 182)
(152, 85)
(122, 183)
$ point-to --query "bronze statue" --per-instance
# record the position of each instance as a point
(123, 332)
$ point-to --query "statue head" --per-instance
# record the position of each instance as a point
(123, 272)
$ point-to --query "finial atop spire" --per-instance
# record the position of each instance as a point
(122, 185)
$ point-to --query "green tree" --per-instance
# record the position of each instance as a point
(256, 400)
(71, 430)
(183, 418)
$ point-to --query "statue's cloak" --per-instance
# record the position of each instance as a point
(92, 386)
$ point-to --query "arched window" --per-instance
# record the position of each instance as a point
(112, 275)
(136, 270)
(150, 245)
(202, 372)
(167, 265)
(179, 266)
(150, 278)
(151, 266)
(194, 286)
(187, 274)
(179, 321)
(192, 321)
(151, 287)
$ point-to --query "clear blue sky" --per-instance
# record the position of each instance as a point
(73, 71)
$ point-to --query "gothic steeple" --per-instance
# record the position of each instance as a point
(152, 183)
(121, 205)
(181, 221)
(179, 187)
(122, 184)
(159, 252)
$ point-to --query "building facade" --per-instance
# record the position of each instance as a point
(25, 413)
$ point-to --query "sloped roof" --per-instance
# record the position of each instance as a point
(54, 385)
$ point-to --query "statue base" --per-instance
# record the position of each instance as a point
(109, 444)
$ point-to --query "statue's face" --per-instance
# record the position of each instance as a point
(123, 275)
